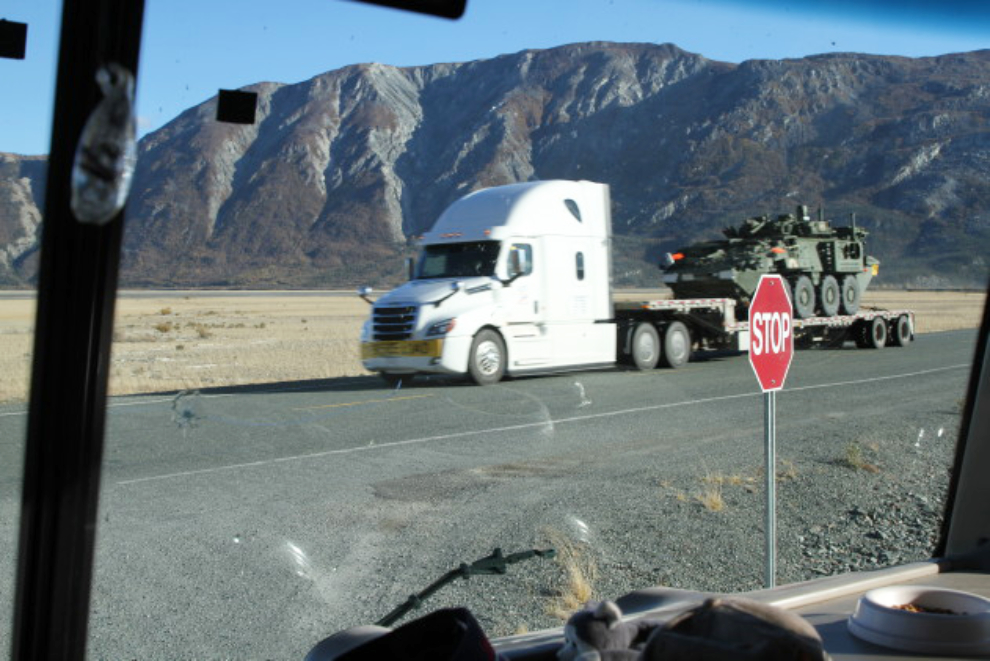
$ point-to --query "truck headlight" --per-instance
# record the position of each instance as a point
(366, 331)
(441, 327)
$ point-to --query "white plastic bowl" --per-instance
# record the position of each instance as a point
(965, 632)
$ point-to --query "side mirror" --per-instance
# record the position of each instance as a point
(364, 293)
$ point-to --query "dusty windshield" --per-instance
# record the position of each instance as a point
(458, 260)
(269, 479)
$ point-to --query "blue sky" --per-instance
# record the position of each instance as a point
(191, 48)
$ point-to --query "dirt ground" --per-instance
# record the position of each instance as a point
(177, 341)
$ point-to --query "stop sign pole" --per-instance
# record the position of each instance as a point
(771, 347)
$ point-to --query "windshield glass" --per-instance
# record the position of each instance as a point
(456, 260)
(270, 478)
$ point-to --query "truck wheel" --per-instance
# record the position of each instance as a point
(676, 345)
(900, 332)
(850, 295)
(645, 346)
(829, 296)
(393, 380)
(873, 334)
(804, 297)
(486, 363)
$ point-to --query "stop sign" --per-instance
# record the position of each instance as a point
(771, 340)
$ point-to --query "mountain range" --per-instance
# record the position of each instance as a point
(338, 173)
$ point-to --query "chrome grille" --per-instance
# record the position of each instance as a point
(393, 323)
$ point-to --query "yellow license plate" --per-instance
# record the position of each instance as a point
(404, 348)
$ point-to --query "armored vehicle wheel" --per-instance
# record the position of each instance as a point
(850, 295)
(487, 360)
(396, 380)
(829, 296)
(676, 345)
(872, 334)
(804, 297)
(899, 334)
(645, 346)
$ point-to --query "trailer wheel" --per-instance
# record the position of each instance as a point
(872, 334)
(645, 346)
(829, 296)
(487, 360)
(676, 345)
(804, 297)
(850, 295)
(899, 334)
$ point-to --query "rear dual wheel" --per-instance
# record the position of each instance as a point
(900, 334)
(644, 346)
(646, 349)
(676, 345)
(872, 333)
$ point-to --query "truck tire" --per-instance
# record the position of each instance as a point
(899, 333)
(804, 297)
(872, 334)
(829, 296)
(850, 295)
(676, 345)
(645, 346)
(487, 360)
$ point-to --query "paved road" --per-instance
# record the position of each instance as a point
(235, 521)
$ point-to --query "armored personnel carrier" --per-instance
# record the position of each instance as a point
(826, 267)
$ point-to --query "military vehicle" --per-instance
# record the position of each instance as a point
(826, 267)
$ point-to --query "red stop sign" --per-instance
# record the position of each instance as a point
(771, 336)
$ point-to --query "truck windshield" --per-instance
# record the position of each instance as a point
(455, 260)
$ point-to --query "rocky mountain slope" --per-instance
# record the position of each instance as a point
(340, 170)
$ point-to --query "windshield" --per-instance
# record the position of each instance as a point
(272, 476)
(456, 260)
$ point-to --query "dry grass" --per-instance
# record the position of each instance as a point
(711, 497)
(580, 574)
(934, 311)
(855, 459)
(786, 470)
(274, 337)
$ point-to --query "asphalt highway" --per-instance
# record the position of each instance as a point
(249, 522)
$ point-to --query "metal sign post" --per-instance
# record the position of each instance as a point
(771, 346)
(770, 444)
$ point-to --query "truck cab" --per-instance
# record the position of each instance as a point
(510, 280)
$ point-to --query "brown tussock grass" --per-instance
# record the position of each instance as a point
(855, 459)
(580, 574)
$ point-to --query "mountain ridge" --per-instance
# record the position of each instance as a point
(340, 171)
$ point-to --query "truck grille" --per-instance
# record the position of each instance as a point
(393, 323)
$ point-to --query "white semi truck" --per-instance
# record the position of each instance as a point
(517, 279)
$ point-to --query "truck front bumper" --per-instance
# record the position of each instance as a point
(440, 356)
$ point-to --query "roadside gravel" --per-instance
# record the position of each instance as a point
(866, 501)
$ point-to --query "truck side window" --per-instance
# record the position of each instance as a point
(580, 265)
(525, 258)
(575, 210)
